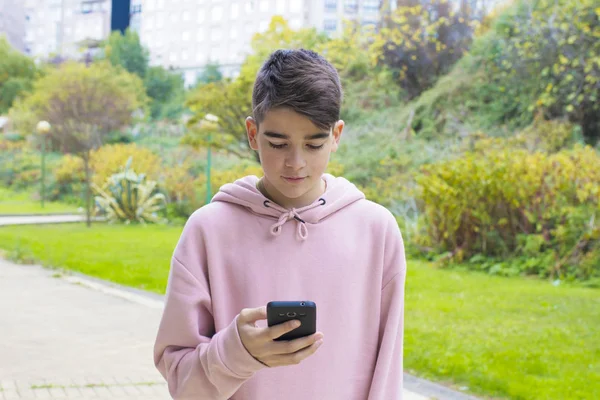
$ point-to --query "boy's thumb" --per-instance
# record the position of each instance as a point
(251, 315)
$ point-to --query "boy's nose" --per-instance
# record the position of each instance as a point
(295, 160)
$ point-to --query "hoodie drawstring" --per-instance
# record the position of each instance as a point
(293, 213)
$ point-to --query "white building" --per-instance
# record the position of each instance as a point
(12, 23)
(61, 27)
(189, 34)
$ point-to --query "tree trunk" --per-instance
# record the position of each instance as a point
(88, 197)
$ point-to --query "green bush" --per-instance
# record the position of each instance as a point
(129, 197)
(501, 200)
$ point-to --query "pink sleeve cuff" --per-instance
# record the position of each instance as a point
(233, 353)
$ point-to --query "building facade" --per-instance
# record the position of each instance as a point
(12, 23)
(65, 28)
(186, 35)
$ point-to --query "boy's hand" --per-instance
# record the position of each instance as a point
(260, 344)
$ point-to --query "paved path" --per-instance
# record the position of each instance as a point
(40, 219)
(63, 340)
(76, 337)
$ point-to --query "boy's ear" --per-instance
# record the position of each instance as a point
(252, 131)
(338, 128)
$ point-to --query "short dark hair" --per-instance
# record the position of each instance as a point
(301, 80)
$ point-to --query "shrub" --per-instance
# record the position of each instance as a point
(501, 200)
(20, 167)
(106, 161)
(129, 197)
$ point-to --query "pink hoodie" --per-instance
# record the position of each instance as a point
(343, 252)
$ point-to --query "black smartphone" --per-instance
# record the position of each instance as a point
(279, 312)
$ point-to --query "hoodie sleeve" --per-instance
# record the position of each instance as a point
(387, 379)
(197, 362)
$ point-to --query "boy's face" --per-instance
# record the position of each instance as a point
(291, 146)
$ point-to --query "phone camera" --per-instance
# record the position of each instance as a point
(291, 314)
(303, 304)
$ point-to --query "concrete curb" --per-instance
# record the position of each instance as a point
(412, 383)
(13, 220)
(39, 215)
(433, 390)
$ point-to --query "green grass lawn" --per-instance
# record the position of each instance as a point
(21, 203)
(498, 337)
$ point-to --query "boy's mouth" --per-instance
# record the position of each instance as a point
(294, 179)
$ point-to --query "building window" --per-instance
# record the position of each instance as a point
(200, 36)
(185, 36)
(215, 35)
(201, 16)
(351, 6)
(250, 6)
(296, 23)
(330, 25)
(217, 14)
(295, 6)
(280, 6)
(187, 16)
(86, 8)
(263, 26)
(233, 32)
(149, 23)
(184, 55)
(235, 10)
(331, 5)
(370, 5)
(369, 23)
(264, 5)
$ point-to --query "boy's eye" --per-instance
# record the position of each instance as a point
(276, 146)
(281, 146)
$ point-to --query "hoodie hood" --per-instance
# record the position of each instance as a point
(339, 193)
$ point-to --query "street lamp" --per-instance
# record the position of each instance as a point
(43, 128)
(212, 120)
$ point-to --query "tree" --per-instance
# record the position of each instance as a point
(545, 55)
(127, 51)
(17, 73)
(211, 73)
(83, 105)
(166, 89)
(367, 86)
(230, 100)
(421, 40)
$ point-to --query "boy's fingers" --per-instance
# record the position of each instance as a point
(292, 346)
(295, 358)
(275, 331)
(251, 315)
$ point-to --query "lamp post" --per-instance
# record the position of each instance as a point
(43, 128)
(211, 121)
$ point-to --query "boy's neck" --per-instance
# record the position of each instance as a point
(305, 200)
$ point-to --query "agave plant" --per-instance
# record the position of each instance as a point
(128, 197)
